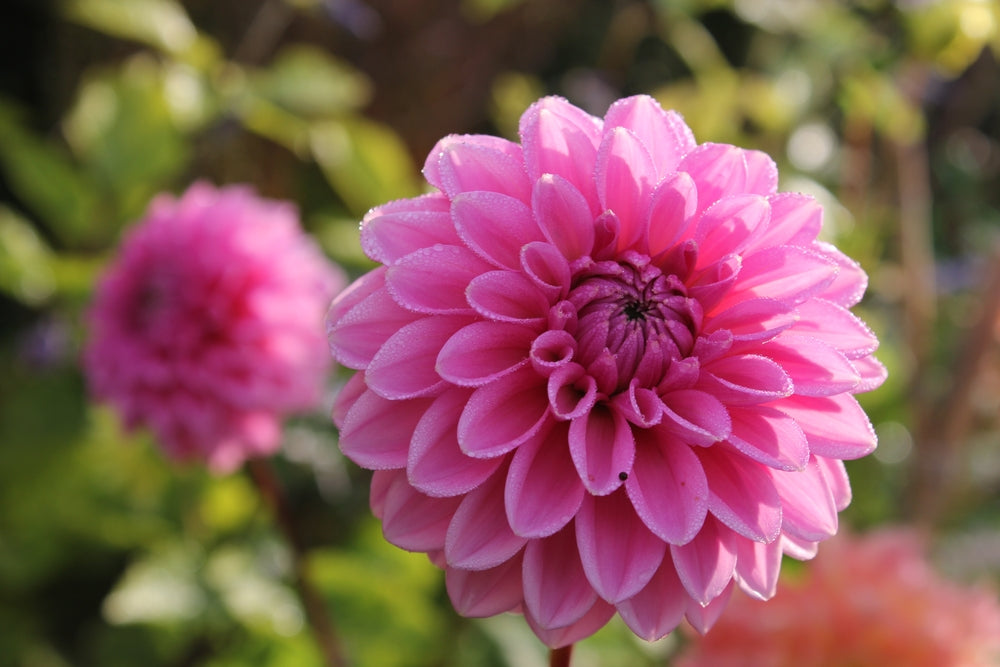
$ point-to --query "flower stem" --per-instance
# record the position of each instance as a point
(559, 657)
(316, 613)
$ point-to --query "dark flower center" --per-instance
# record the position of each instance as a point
(629, 309)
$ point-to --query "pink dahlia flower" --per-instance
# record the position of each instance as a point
(870, 600)
(207, 327)
(607, 368)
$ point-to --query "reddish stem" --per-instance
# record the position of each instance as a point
(559, 657)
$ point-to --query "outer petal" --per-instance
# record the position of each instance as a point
(851, 281)
(706, 564)
(809, 509)
(543, 490)
(834, 426)
(762, 173)
(602, 448)
(355, 335)
(404, 365)
(757, 567)
(433, 280)
(719, 170)
(703, 617)
(398, 228)
(667, 486)
(503, 414)
(664, 133)
(784, 273)
(836, 326)
(411, 520)
(696, 417)
(729, 226)
(795, 220)
(556, 590)
(483, 593)
(495, 225)
(816, 368)
(559, 138)
(618, 551)
(479, 537)
(564, 215)
(741, 494)
(625, 177)
(376, 432)
(745, 379)
(769, 436)
(477, 162)
(672, 209)
(508, 296)
(484, 351)
(435, 464)
(657, 609)
(596, 618)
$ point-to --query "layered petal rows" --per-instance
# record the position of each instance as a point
(207, 326)
(605, 369)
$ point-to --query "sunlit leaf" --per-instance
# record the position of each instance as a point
(25, 260)
(160, 23)
(311, 83)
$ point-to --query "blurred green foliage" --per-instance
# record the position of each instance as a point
(887, 112)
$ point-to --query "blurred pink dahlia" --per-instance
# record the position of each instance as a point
(207, 327)
(871, 600)
(607, 368)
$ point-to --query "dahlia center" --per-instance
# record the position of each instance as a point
(630, 312)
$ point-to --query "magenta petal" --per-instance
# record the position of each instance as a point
(354, 294)
(602, 448)
(507, 296)
(797, 548)
(618, 552)
(851, 281)
(730, 225)
(563, 215)
(495, 225)
(596, 618)
(667, 486)
(696, 417)
(556, 590)
(785, 273)
(404, 365)
(543, 491)
(746, 379)
(741, 493)
(411, 520)
(396, 229)
(753, 321)
(657, 609)
(816, 368)
(376, 432)
(483, 593)
(719, 170)
(435, 464)
(769, 436)
(433, 280)
(356, 336)
(834, 426)
(561, 139)
(810, 512)
(625, 177)
(837, 327)
(664, 133)
(762, 173)
(872, 373)
(703, 617)
(757, 567)
(347, 397)
(835, 475)
(572, 393)
(552, 350)
(671, 212)
(484, 351)
(795, 220)
(547, 268)
(469, 163)
(479, 536)
(501, 415)
(706, 564)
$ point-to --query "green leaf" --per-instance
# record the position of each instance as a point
(46, 180)
(364, 161)
(308, 82)
(162, 24)
(25, 260)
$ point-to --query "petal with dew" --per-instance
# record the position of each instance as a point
(795, 220)
(396, 229)
(434, 280)
(556, 590)
(411, 520)
(729, 226)
(483, 593)
(596, 618)
(706, 564)
(376, 432)
(719, 170)
(484, 351)
(476, 162)
(742, 493)
(563, 215)
(602, 448)
(757, 567)
(543, 490)
(769, 436)
(435, 464)
(667, 486)
(356, 336)
(836, 326)
(618, 552)
(626, 177)
(404, 366)
(495, 225)
(507, 296)
(672, 208)
(834, 426)
(810, 512)
(479, 537)
(746, 379)
(696, 417)
(502, 414)
(816, 368)
(657, 609)
(664, 133)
